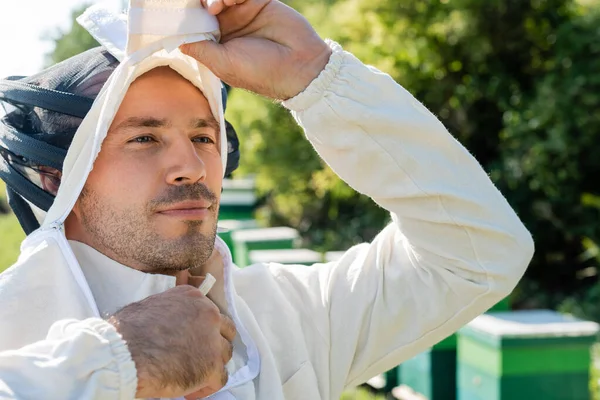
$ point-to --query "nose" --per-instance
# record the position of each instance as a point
(184, 164)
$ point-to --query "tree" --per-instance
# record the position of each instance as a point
(551, 165)
(71, 42)
(503, 76)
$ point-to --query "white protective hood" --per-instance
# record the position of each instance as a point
(147, 37)
(151, 33)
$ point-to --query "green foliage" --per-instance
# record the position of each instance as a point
(71, 42)
(11, 234)
(516, 81)
(361, 394)
(299, 190)
(550, 161)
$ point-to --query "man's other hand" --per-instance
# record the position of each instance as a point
(179, 341)
(266, 47)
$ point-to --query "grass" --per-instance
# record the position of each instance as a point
(11, 235)
(361, 394)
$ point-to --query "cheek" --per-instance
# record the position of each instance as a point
(125, 179)
(214, 171)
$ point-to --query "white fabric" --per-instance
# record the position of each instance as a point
(114, 286)
(160, 21)
(533, 324)
(454, 248)
(107, 27)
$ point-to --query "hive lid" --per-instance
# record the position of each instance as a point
(532, 324)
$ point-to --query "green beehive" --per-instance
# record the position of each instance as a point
(238, 200)
(432, 374)
(247, 240)
(285, 256)
(525, 355)
(227, 227)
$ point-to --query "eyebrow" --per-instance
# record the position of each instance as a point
(151, 122)
(142, 122)
(209, 122)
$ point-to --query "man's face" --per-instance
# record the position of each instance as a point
(151, 201)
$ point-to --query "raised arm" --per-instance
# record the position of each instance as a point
(455, 246)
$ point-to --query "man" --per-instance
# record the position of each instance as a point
(142, 234)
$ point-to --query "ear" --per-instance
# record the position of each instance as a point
(73, 228)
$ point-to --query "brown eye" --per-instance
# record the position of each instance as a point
(203, 139)
(142, 139)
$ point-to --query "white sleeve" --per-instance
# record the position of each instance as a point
(78, 360)
(454, 248)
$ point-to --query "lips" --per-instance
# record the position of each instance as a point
(187, 210)
(187, 205)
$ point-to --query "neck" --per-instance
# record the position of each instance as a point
(216, 268)
(213, 266)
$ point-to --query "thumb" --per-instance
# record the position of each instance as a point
(210, 54)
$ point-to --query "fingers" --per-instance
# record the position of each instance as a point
(230, 3)
(212, 385)
(185, 289)
(217, 6)
(228, 330)
(213, 55)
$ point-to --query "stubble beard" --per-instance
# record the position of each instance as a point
(129, 237)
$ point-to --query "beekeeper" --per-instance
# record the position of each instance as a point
(114, 161)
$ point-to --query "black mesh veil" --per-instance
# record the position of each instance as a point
(39, 117)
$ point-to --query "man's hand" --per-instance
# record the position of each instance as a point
(179, 341)
(266, 47)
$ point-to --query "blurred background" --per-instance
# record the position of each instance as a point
(516, 81)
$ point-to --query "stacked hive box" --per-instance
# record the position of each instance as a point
(250, 244)
(285, 256)
(245, 241)
(525, 355)
(238, 200)
(432, 374)
(227, 227)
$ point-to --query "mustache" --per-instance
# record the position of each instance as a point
(177, 194)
